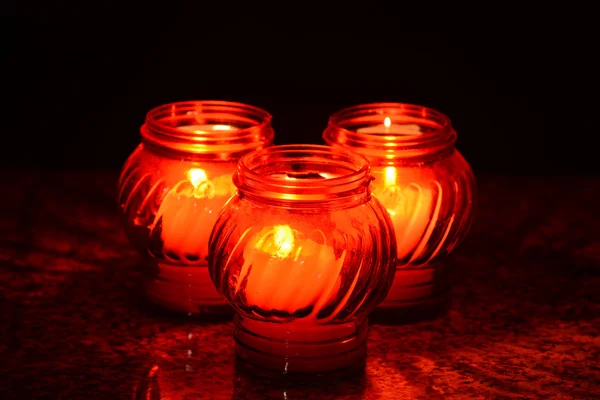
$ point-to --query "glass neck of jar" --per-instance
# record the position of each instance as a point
(392, 133)
(304, 177)
(217, 130)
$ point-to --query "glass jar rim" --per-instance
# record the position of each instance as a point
(323, 174)
(436, 135)
(164, 127)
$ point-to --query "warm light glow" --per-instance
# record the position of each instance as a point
(200, 129)
(392, 129)
(411, 203)
(278, 241)
(188, 212)
(221, 127)
(196, 176)
(285, 272)
(390, 175)
(284, 240)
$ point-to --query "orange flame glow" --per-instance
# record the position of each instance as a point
(390, 175)
(284, 240)
(196, 176)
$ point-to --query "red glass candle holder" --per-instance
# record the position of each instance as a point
(172, 188)
(303, 253)
(425, 184)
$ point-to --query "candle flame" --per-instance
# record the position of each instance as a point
(284, 240)
(278, 241)
(196, 176)
(387, 122)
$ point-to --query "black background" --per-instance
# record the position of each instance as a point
(519, 88)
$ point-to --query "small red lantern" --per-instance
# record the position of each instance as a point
(173, 186)
(303, 253)
(425, 184)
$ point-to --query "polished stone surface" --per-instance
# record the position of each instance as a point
(524, 320)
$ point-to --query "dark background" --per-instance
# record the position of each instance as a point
(519, 88)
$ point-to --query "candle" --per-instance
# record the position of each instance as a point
(172, 188)
(287, 273)
(188, 212)
(426, 186)
(207, 128)
(388, 127)
(409, 204)
(302, 258)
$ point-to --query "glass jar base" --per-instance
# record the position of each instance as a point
(186, 289)
(421, 293)
(300, 349)
(404, 312)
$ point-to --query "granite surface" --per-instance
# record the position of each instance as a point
(524, 322)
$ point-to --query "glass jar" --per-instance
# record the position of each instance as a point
(425, 184)
(172, 188)
(303, 253)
